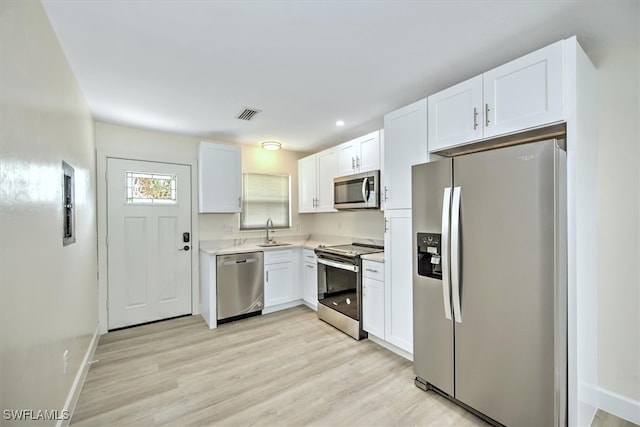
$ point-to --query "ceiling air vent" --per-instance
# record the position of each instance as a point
(248, 114)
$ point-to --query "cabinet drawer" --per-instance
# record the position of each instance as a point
(373, 270)
(278, 256)
(308, 255)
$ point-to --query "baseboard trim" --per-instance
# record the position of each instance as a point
(391, 347)
(618, 405)
(78, 382)
(587, 405)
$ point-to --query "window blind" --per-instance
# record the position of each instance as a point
(265, 196)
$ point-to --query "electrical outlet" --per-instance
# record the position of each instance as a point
(65, 361)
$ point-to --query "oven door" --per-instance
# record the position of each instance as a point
(338, 286)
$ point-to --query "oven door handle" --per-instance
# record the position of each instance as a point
(349, 267)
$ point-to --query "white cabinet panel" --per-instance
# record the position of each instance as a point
(327, 170)
(219, 178)
(346, 158)
(310, 277)
(524, 93)
(278, 284)
(373, 306)
(307, 183)
(281, 280)
(455, 114)
(359, 155)
(405, 133)
(315, 181)
(398, 270)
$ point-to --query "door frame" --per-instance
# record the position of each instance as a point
(101, 185)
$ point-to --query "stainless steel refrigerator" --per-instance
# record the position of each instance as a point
(489, 282)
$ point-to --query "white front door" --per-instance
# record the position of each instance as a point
(149, 241)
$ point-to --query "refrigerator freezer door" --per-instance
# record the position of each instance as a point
(432, 331)
(504, 347)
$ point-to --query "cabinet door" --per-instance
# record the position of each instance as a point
(368, 152)
(327, 170)
(307, 183)
(219, 178)
(347, 153)
(278, 284)
(405, 145)
(456, 115)
(310, 283)
(373, 306)
(398, 268)
(524, 93)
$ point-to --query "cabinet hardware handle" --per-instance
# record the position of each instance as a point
(385, 193)
(267, 275)
(486, 114)
(353, 163)
(372, 270)
(240, 201)
(358, 162)
(386, 221)
(475, 118)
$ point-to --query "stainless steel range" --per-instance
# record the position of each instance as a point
(340, 286)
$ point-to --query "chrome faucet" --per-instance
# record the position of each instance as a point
(269, 240)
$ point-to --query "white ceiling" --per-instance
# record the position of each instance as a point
(190, 67)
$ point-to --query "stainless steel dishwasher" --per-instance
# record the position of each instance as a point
(240, 285)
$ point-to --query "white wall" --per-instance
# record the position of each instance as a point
(48, 293)
(112, 139)
(618, 67)
(364, 224)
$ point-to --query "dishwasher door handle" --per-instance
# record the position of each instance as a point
(240, 261)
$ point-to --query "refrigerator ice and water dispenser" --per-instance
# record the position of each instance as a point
(429, 255)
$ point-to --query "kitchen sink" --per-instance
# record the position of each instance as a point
(273, 244)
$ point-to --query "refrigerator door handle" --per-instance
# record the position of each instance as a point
(446, 209)
(455, 253)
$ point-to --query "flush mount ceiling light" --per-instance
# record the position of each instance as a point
(339, 123)
(271, 145)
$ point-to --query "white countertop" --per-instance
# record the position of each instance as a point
(225, 247)
(377, 257)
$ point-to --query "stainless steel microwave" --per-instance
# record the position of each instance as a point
(359, 191)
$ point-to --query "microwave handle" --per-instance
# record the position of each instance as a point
(365, 189)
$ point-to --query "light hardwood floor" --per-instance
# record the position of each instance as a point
(286, 368)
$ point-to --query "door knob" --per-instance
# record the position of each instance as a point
(185, 248)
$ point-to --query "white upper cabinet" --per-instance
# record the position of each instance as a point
(524, 93)
(219, 178)
(359, 155)
(315, 181)
(521, 94)
(307, 184)
(405, 145)
(455, 114)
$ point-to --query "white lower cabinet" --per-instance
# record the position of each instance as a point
(398, 278)
(280, 284)
(373, 298)
(310, 278)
